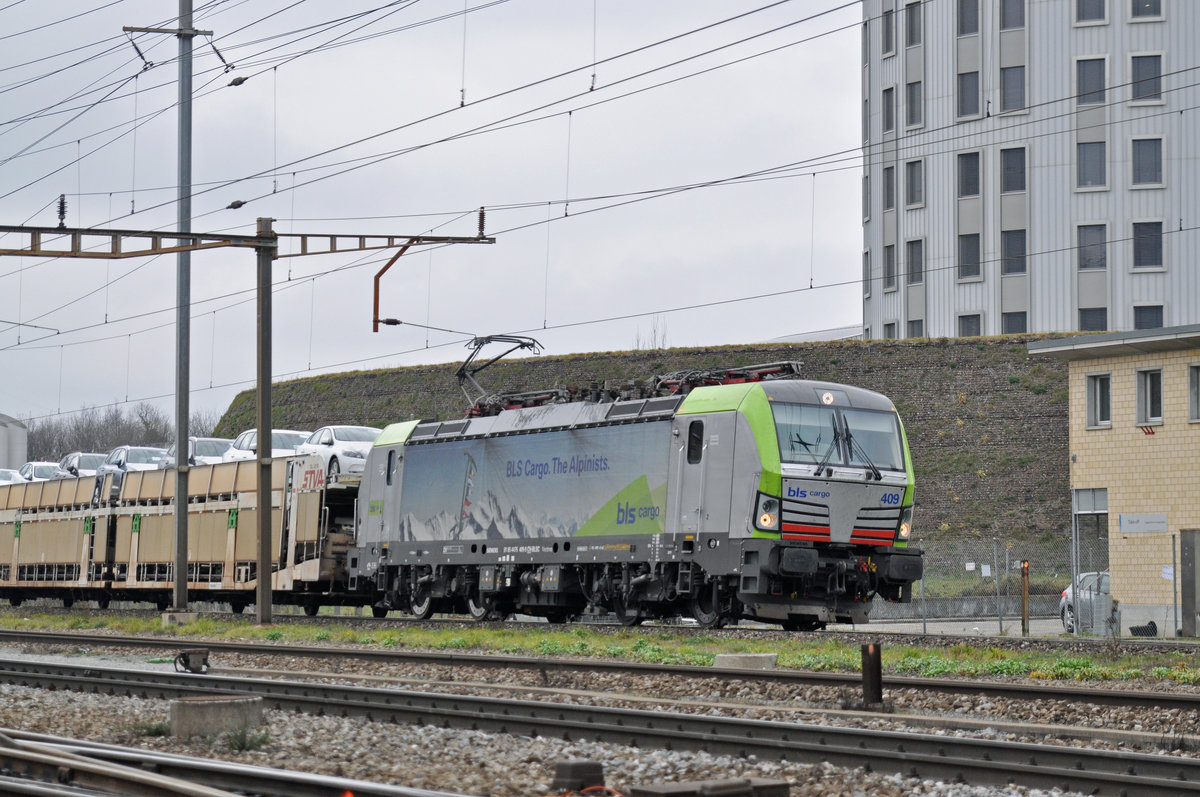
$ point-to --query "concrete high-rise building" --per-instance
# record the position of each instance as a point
(1030, 166)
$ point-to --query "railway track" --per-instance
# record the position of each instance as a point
(1183, 701)
(37, 764)
(970, 760)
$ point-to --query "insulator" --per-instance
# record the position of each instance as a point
(482, 217)
(62, 210)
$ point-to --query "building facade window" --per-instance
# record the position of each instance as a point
(889, 187)
(914, 104)
(889, 110)
(888, 39)
(913, 33)
(1092, 246)
(968, 17)
(1090, 10)
(968, 256)
(914, 183)
(1148, 316)
(1149, 396)
(889, 267)
(1147, 244)
(1146, 83)
(1099, 400)
(1091, 168)
(1013, 323)
(914, 261)
(970, 326)
(1012, 14)
(866, 197)
(1089, 81)
(968, 94)
(889, 330)
(1145, 9)
(1012, 88)
(1012, 170)
(968, 174)
(866, 44)
(1194, 392)
(1012, 252)
(916, 327)
(866, 120)
(867, 273)
(1093, 319)
(1147, 162)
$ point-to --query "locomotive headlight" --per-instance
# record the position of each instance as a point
(904, 528)
(768, 513)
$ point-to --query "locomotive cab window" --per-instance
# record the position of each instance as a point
(873, 438)
(391, 466)
(820, 435)
(695, 445)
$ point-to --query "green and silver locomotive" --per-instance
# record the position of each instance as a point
(737, 494)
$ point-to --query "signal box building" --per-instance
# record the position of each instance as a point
(1135, 459)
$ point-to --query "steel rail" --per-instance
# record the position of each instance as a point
(234, 777)
(994, 689)
(917, 755)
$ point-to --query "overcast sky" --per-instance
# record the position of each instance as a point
(404, 117)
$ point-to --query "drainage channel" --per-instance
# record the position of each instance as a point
(969, 760)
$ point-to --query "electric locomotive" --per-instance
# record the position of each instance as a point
(723, 495)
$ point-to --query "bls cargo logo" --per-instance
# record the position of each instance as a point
(796, 492)
(627, 514)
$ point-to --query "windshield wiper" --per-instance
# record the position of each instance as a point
(837, 439)
(854, 443)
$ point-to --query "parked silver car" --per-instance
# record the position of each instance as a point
(79, 463)
(201, 451)
(1092, 588)
(283, 444)
(126, 458)
(39, 471)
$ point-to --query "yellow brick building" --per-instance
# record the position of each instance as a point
(1135, 451)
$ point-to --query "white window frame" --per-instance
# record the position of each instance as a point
(958, 276)
(866, 188)
(1162, 242)
(909, 125)
(1107, 171)
(1024, 15)
(1133, 314)
(1024, 313)
(920, 11)
(958, 324)
(957, 24)
(866, 273)
(1194, 393)
(889, 188)
(909, 329)
(887, 109)
(889, 334)
(1024, 169)
(908, 280)
(1075, 80)
(1024, 107)
(921, 203)
(1024, 254)
(958, 161)
(1076, 22)
(1107, 319)
(1162, 163)
(1162, 94)
(1091, 391)
(890, 283)
(1159, 17)
(887, 15)
(979, 104)
(1107, 245)
(1144, 418)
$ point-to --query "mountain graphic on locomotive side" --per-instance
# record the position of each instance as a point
(720, 495)
(717, 495)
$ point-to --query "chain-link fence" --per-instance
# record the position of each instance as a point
(968, 577)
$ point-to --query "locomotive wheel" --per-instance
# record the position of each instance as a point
(311, 608)
(706, 610)
(102, 603)
(478, 609)
(379, 612)
(237, 607)
(68, 602)
(422, 607)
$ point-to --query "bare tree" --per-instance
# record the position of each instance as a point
(203, 422)
(656, 339)
(99, 430)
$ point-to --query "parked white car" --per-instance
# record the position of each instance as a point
(201, 451)
(10, 476)
(126, 458)
(1092, 587)
(342, 449)
(283, 444)
(39, 471)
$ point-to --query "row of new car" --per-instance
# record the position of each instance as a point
(343, 449)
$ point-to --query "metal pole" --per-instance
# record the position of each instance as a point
(924, 608)
(1024, 597)
(1075, 558)
(266, 256)
(1174, 587)
(996, 578)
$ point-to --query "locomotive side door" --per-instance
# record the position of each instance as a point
(702, 471)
